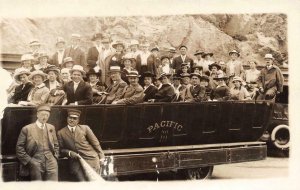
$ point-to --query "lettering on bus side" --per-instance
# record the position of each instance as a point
(163, 128)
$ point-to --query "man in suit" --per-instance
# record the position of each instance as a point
(75, 140)
(115, 90)
(270, 81)
(77, 91)
(76, 52)
(93, 52)
(182, 58)
(57, 58)
(195, 93)
(37, 148)
(104, 59)
(133, 93)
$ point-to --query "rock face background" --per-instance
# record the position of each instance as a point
(252, 34)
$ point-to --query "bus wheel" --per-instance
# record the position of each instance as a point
(199, 173)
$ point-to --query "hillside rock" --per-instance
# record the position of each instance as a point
(252, 34)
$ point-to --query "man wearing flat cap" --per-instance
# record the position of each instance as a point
(37, 148)
(182, 58)
(77, 141)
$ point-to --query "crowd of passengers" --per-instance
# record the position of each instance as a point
(112, 73)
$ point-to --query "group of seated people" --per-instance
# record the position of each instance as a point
(129, 81)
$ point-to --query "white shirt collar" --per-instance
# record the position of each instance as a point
(77, 83)
(39, 124)
(70, 128)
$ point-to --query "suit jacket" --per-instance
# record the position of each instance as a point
(132, 95)
(21, 94)
(77, 55)
(165, 94)
(92, 57)
(150, 92)
(28, 140)
(54, 59)
(84, 142)
(83, 94)
(195, 94)
(177, 61)
(115, 91)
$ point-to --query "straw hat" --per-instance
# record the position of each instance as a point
(77, 68)
(20, 71)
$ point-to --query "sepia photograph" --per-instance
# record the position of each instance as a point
(156, 98)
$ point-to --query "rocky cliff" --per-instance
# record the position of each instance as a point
(252, 34)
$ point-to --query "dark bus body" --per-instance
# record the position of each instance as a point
(154, 137)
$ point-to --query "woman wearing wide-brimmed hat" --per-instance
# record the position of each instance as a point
(238, 92)
(207, 60)
(43, 62)
(116, 59)
(127, 62)
(149, 89)
(27, 62)
(222, 91)
(21, 91)
(53, 81)
(198, 61)
(97, 85)
(39, 93)
(166, 93)
(234, 66)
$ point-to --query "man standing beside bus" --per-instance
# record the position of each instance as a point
(78, 141)
(37, 148)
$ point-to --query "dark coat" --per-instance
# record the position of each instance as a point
(83, 94)
(177, 61)
(54, 60)
(21, 94)
(116, 60)
(196, 94)
(152, 64)
(77, 55)
(165, 94)
(92, 57)
(221, 93)
(150, 92)
(84, 142)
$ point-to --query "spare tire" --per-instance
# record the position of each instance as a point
(280, 137)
